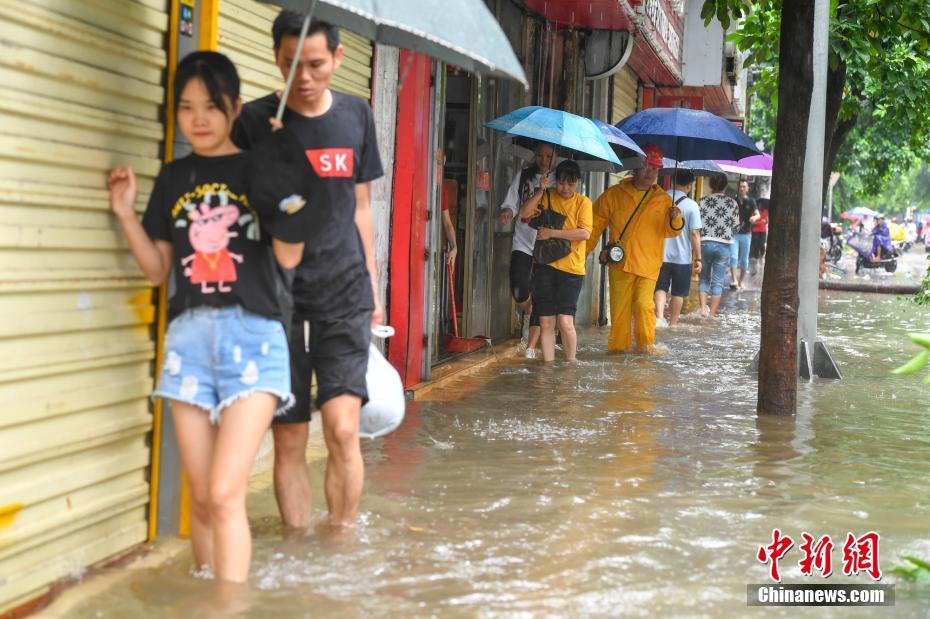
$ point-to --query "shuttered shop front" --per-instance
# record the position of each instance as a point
(245, 36)
(80, 92)
(625, 94)
(624, 99)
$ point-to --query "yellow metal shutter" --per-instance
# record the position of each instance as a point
(245, 36)
(80, 92)
(625, 94)
(625, 99)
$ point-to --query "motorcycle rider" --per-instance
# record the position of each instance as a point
(881, 238)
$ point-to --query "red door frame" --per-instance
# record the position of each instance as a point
(408, 218)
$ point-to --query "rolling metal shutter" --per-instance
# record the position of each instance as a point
(625, 94)
(81, 91)
(245, 36)
(625, 100)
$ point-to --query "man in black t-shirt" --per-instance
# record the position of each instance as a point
(742, 236)
(335, 288)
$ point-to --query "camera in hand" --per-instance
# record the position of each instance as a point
(611, 254)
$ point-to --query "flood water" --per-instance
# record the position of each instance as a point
(632, 486)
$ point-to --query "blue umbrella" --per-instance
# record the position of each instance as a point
(577, 137)
(684, 134)
(629, 153)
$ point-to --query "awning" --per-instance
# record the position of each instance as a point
(589, 14)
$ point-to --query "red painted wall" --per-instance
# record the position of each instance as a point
(408, 218)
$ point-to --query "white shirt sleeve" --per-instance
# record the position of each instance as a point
(512, 199)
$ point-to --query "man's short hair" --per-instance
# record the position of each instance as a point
(684, 177)
(718, 182)
(289, 24)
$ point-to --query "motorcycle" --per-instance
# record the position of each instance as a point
(835, 249)
(861, 242)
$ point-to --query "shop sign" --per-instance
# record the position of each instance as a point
(664, 26)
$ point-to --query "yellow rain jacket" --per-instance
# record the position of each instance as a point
(644, 241)
(897, 232)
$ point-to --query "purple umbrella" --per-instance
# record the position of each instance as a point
(757, 165)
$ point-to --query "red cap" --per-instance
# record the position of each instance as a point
(653, 155)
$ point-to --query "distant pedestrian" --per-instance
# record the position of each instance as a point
(720, 217)
(739, 248)
(682, 252)
(760, 231)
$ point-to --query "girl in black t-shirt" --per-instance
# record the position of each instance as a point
(226, 369)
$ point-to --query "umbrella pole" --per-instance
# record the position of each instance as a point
(290, 74)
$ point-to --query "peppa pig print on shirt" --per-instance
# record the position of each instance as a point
(209, 234)
(220, 240)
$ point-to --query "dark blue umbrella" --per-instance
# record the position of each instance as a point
(684, 134)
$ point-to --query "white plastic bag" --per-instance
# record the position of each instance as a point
(386, 405)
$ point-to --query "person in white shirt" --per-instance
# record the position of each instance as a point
(522, 188)
(680, 252)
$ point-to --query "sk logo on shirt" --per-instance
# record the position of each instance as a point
(332, 162)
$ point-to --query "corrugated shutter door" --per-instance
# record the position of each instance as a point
(625, 94)
(80, 92)
(625, 99)
(245, 36)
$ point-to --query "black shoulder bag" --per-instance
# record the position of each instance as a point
(549, 250)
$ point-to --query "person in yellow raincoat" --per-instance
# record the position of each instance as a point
(633, 278)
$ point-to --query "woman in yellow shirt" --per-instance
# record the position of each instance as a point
(556, 285)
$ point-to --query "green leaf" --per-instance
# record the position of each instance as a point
(918, 562)
(914, 365)
(921, 339)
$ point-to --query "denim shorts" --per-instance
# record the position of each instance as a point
(217, 355)
(739, 251)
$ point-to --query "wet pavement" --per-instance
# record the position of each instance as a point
(633, 486)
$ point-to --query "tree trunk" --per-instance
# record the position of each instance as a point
(778, 356)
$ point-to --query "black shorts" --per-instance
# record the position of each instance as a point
(757, 245)
(521, 275)
(521, 280)
(337, 352)
(675, 276)
(555, 292)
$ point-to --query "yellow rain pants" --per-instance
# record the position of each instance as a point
(631, 300)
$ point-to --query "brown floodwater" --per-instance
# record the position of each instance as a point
(635, 486)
